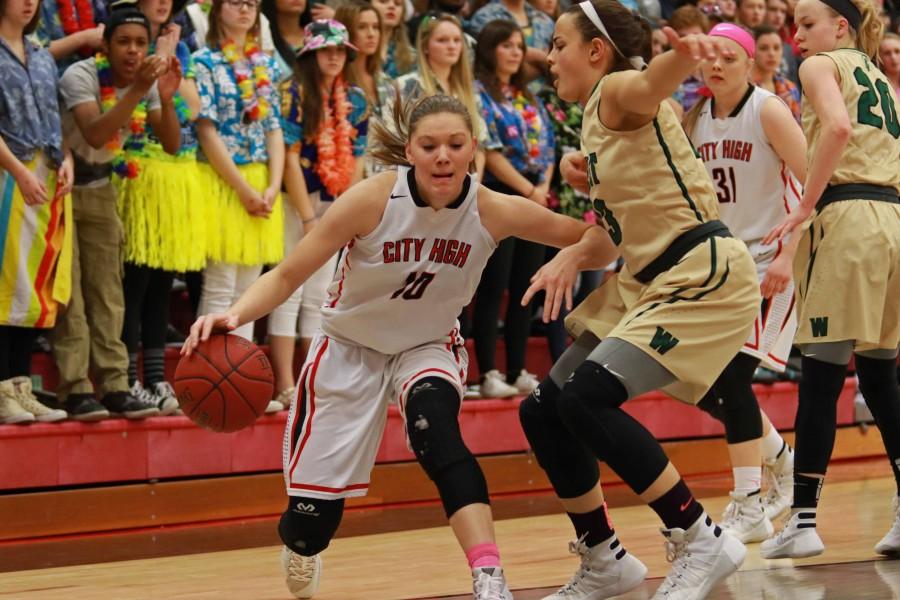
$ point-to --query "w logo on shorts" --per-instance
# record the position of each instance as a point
(663, 341)
(819, 326)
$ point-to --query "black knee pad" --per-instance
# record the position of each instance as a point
(309, 524)
(713, 405)
(590, 407)
(740, 409)
(571, 467)
(432, 424)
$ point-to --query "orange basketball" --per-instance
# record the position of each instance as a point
(225, 384)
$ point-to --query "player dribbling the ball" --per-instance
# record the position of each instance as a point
(415, 242)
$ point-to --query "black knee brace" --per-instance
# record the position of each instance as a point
(731, 400)
(309, 524)
(590, 408)
(432, 409)
(816, 423)
(878, 384)
(571, 468)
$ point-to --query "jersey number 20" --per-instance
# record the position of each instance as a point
(414, 286)
(869, 100)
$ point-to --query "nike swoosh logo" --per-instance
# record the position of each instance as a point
(686, 504)
(398, 196)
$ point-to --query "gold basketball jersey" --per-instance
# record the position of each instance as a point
(648, 186)
(873, 153)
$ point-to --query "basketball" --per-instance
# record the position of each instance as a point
(225, 384)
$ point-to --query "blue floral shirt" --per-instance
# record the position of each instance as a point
(390, 67)
(50, 27)
(538, 32)
(220, 102)
(29, 106)
(523, 133)
(309, 152)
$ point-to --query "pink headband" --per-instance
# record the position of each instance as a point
(735, 34)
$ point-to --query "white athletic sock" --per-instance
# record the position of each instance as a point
(747, 479)
(772, 443)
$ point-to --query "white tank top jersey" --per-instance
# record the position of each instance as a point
(405, 284)
(755, 187)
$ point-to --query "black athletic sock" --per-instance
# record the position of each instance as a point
(678, 507)
(594, 526)
(132, 369)
(806, 491)
(154, 366)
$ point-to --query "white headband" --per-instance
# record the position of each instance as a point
(587, 7)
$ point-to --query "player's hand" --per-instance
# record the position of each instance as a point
(795, 218)
(204, 326)
(777, 277)
(557, 278)
(697, 46)
(573, 168)
(33, 189)
(65, 175)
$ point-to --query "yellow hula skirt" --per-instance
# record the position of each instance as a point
(35, 251)
(163, 213)
(233, 235)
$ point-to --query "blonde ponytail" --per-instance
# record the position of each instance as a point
(690, 118)
(871, 29)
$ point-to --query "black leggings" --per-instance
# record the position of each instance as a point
(146, 307)
(732, 401)
(15, 350)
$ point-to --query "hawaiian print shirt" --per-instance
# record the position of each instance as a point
(309, 152)
(566, 119)
(790, 93)
(220, 102)
(29, 106)
(520, 129)
(50, 28)
(538, 33)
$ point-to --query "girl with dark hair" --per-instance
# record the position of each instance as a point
(415, 240)
(766, 67)
(286, 26)
(848, 280)
(35, 236)
(681, 307)
(326, 122)
(242, 154)
(518, 160)
(164, 223)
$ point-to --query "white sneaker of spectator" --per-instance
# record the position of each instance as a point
(10, 411)
(164, 397)
(526, 382)
(494, 386)
(27, 400)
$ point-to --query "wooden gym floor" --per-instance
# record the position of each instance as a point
(424, 562)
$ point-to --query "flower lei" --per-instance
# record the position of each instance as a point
(122, 166)
(76, 15)
(250, 73)
(333, 141)
(532, 120)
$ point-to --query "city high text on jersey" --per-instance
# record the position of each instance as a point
(446, 252)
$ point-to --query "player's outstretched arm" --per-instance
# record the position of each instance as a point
(355, 213)
(638, 93)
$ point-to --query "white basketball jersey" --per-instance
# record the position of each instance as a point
(404, 284)
(755, 187)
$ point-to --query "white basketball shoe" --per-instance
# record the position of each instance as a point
(778, 476)
(488, 583)
(745, 518)
(301, 573)
(798, 539)
(890, 543)
(606, 570)
(701, 557)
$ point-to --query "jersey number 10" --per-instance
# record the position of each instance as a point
(415, 286)
(725, 184)
(869, 100)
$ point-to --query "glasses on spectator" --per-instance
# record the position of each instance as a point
(239, 4)
(711, 10)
